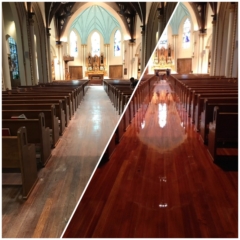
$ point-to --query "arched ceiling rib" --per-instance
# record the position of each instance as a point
(179, 14)
(95, 18)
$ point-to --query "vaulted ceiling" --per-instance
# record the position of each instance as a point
(98, 19)
(179, 14)
(62, 12)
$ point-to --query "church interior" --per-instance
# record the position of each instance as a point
(85, 154)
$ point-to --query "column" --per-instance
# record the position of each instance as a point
(33, 49)
(59, 60)
(205, 60)
(229, 44)
(195, 53)
(106, 46)
(175, 38)
(213, 50)
(5, 64)
(131, 58)
(160, 21)
(84, 46)
(201, 51)
(143, 49)
(49, 56)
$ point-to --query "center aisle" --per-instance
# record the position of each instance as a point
(46, 212)
(160, 182)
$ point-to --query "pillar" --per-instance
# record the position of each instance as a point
(84, 49)
(49, 56)
(33, 50)
(175, 45)
(131, 59)
(106, 46)
(143, 49)
(160, 21)
(213, 50)
(229, 41)
(201, 51)
(60, 60)
(5, 64)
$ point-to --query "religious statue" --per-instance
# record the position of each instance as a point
(89, 59)
(169, 51)
(162, 51)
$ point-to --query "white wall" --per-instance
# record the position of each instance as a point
(130, 52)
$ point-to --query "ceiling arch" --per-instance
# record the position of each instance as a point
(95, 18)
(180, 13)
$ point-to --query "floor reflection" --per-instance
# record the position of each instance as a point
(161, 126)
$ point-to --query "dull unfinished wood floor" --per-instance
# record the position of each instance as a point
(61, 182)
(159, 183)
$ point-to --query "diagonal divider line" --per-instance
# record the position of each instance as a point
(115, 129)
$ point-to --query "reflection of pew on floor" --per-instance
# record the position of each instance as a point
(119, 95)
(22, 160)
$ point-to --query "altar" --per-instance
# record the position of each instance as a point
(95, 69)
(162, 60)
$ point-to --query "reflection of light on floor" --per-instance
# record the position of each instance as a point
(143, 124)
(162, 114)
(163, 205)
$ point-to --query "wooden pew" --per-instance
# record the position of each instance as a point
(37, 134)
(193, 100)
(193, 95)
(47, 94)
(200, 105)
(18, 154)
(51, 121)
(38, 106)
(195, 112)
(53, 91)
(39, 101)
(223, 131)
(224, 105)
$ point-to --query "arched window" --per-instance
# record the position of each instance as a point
(186, 33)
(163, 40)
(117, 44)
(14, 58)
(73, 44)
(95, 44)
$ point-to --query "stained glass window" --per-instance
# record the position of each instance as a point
(73, 44)
(95, 44)
(163, 40)
(186, 33)
(117, 44)
(14, 58)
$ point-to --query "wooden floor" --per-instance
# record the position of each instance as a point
(160, 183)
(62, 181)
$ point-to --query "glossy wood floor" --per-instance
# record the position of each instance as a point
(62, 181)
(159, 183)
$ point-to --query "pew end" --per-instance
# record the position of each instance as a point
(219, 136)
(23, 159)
